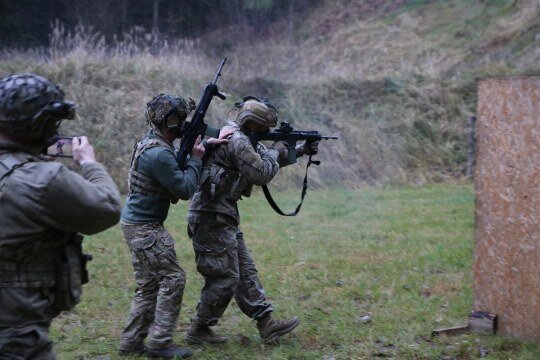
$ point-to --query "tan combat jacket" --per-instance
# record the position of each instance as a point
(41, 203)
(230, 172)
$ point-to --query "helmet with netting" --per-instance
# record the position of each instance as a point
(168, 110)
(32, 107)
(259, 111)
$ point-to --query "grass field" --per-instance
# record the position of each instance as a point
(401, 256)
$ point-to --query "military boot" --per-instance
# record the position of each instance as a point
(171, 352)
(130, 349)
(201, 334)
(270, 329)
(134, 352)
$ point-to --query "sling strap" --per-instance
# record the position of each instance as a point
(304, 191)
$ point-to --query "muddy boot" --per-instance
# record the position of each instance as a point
(171, 352)
(200, 334)
(270, 329)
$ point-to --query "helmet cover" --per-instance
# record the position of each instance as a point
(168, 110)
(32, 107)
(252, 109)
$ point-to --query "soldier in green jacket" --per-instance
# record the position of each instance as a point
(43, 205)
(155, 181)
(213, 224)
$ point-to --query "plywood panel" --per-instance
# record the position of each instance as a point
(507, 248)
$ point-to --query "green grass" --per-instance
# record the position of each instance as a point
(402, 256)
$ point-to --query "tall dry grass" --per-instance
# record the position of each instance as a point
(397, 85)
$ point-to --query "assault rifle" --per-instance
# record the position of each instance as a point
(286, 133)
(197, 127)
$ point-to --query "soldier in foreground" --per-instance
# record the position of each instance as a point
(43, 205)
(213, 224)
(155, 181)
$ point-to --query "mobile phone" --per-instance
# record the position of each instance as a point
(61, 148)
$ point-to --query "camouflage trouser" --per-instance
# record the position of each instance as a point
(160, 287)
(227, 267)
(25, 317)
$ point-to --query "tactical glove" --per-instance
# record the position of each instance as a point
(307, 148)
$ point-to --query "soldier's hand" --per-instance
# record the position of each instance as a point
(281, 147)
(198, 150)
(311, 147)
(224, 135)
(82, 151)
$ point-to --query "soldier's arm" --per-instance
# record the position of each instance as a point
(86, 203)
(182, 184)
(258, 167)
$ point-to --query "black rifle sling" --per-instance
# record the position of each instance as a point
(304, 191)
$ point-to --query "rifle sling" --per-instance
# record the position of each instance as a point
(304, 191)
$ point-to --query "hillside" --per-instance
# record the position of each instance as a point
(396, 80)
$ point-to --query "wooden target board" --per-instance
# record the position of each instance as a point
(507, 176)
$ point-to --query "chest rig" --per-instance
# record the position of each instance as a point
(140, 183)
(219, 176)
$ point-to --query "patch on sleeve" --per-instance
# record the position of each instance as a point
(244, 151)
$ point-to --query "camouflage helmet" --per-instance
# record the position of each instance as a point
(32, 107)
(167, 110)
(252, 109)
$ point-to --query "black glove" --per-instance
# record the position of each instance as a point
(308, 148)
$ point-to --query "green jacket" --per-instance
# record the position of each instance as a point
(157, 164)
(41, 203)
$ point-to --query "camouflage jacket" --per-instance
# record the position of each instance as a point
(41, 203)
(230, 171)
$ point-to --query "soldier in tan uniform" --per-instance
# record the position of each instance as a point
(213, 224)
(155, 181)
(43, 205)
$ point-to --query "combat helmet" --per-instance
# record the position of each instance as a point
(168, 111)
(252, 109)
(32, 107)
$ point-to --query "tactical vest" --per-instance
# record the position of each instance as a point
(218, 179)
(140, 183)
(26, 264)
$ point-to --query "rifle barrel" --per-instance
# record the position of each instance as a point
(219, 71)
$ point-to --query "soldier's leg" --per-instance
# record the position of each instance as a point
(162, 258)
(249, 294)
(26, 342)
(252, 300)
(141, 314)
(25, 318)
(214, 242)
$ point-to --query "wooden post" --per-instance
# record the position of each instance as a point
(507, 248)
(471, 146)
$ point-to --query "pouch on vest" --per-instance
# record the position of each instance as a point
(71, 274)
(241, 187)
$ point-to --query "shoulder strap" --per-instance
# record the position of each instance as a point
(304, 191)
(141, 147)
(10, 163)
